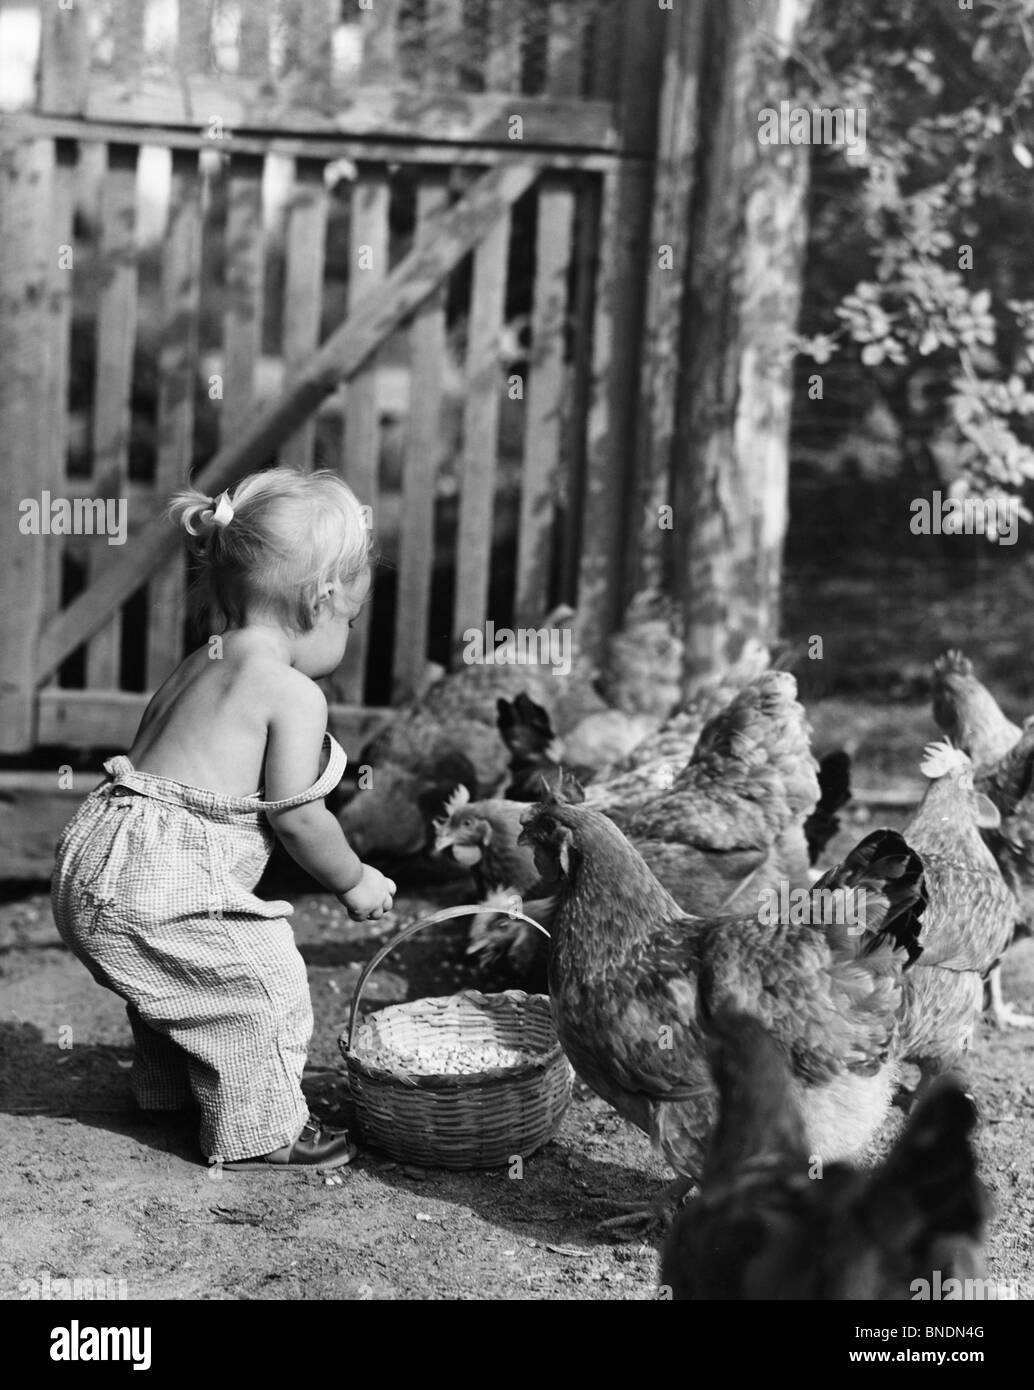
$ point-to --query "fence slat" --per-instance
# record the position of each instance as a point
(380, 60)
(58, 330)
(423, 441)
(116, 333)
(586, 249)
(181, 302)
(194, 37)
(242, 319)
(505, 35)
(368, 267)
(303, 291)
(415, 277)
(316, 21)
(25, 250)
(64, 67)
(544, 394)
(565, 49)
(254, 40)
(127, 31)
(480, 430)
(443, 29)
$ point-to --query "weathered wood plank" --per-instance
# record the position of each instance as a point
(343, 353)
(648, 561)
(615, 369)
(617, 336)
(376, 111)
(557, 153)
(443, 34)
(181, 303)
(505, 35)
(242, 318)
(303, 292)
(480, 431)
(64, 68)
(116, 334)
(194, 49)
(380, 60)
(314, 22)
(545, 393)
(127, 32)
(58, 349)
(34, 809)
(572, 484)
(27, 248)
(423, 441)
(254, 41)
(565, 50)
(362, 436)
(109, 719)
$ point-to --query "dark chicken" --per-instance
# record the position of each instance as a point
(1003, 760)
(834, 794)
(630, 974)
(764, 1227)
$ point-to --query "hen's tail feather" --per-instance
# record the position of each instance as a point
(835, 793)
(885, 877)
(524, 727)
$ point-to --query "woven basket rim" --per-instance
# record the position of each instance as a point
(399, 1077)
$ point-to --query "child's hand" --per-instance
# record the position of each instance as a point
(371, 897)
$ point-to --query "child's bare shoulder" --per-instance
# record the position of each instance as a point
(282, 689)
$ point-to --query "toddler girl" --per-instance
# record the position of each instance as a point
(154, 876)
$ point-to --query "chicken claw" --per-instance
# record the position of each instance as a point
(653, 1218)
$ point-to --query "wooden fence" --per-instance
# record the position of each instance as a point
(350, 196)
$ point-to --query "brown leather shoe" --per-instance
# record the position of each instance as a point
(316, 1147)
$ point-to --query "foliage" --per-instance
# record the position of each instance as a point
(919, 262)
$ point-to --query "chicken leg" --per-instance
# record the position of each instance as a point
(1005, 1015)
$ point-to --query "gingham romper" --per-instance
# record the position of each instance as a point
(153, 892)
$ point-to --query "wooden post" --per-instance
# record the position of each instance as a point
(617, 329)
(648, 557)
(748, 235)
(27, 247)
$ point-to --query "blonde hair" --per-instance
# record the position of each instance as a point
(274, 543)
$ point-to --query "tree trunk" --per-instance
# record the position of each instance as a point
(747, 242)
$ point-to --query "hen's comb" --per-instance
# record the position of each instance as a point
(941, 758)
(459, 799)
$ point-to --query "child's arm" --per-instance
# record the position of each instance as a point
(310, 833)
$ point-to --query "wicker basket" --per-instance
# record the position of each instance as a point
(461, 1120)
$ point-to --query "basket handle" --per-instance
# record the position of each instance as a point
(445, 915)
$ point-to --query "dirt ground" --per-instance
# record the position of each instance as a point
(91, 1190)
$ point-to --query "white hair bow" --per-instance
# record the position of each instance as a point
(223, 514)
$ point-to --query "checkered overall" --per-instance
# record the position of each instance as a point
(153, 892)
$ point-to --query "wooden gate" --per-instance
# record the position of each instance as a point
(452, 140)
